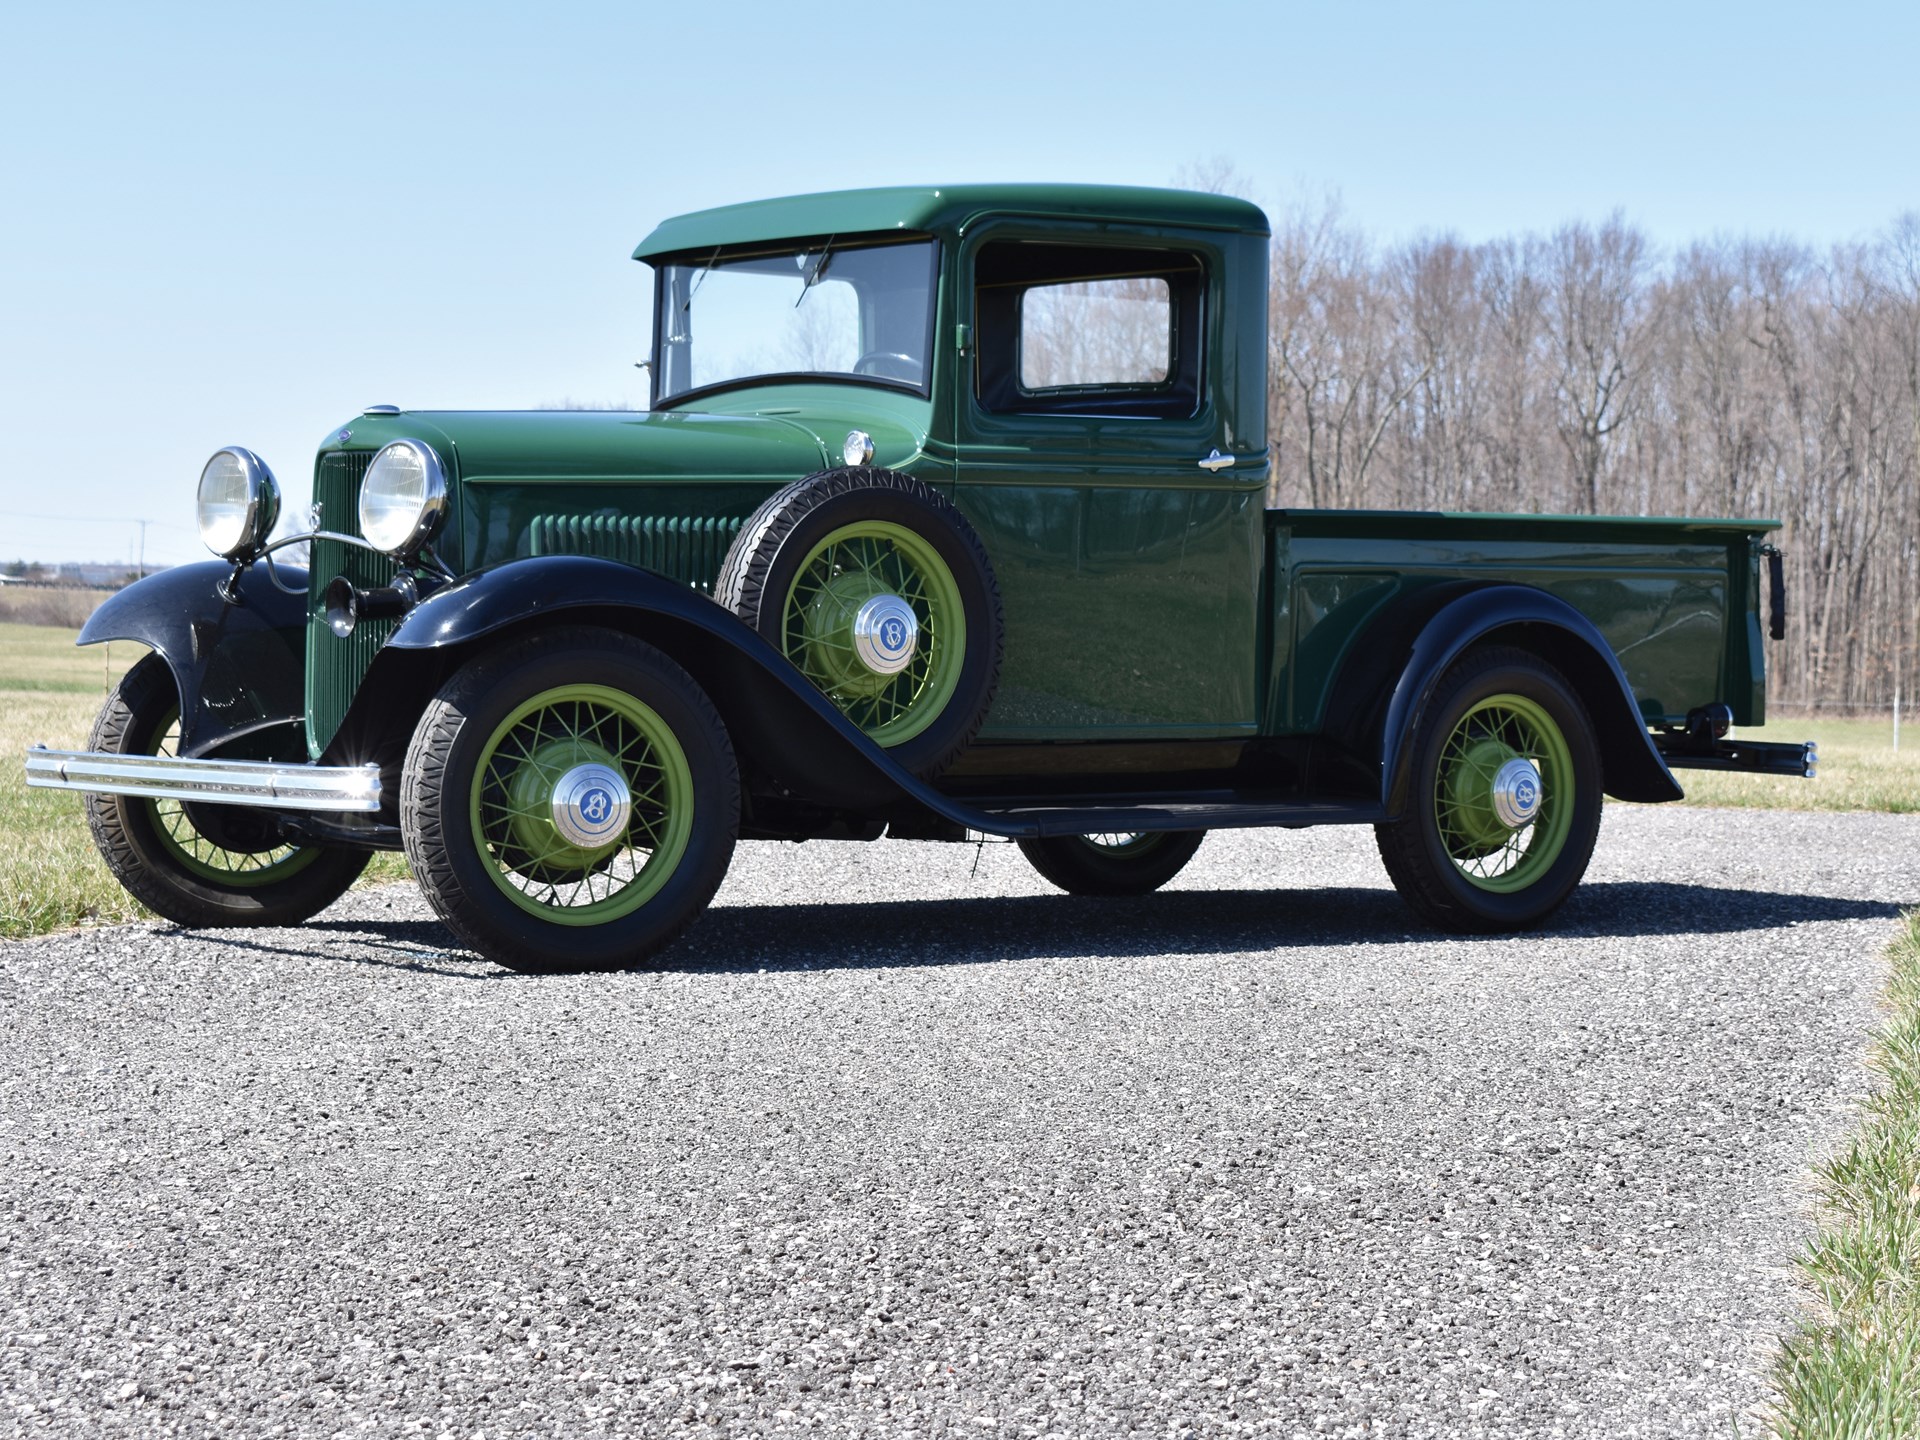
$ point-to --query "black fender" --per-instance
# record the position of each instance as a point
(1385, 689)
(781, 725)
(239, 668)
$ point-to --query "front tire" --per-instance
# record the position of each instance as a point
(570, 802)
(202, 866)
(1506, 797)
(1120, 864)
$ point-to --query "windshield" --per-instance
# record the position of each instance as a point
(847, 309)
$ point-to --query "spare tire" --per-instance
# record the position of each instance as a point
(878, 589)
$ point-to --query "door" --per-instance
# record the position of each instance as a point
(1129, 571)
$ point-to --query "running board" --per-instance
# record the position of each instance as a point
(267, 784)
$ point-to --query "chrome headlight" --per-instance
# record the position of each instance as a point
(404, 497)
(239, 501)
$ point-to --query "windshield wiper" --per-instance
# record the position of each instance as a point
(819, 269)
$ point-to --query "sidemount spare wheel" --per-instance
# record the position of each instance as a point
(878, 589)
(1128, 863)
(202, 866)
(1505, 799)
(570, 801)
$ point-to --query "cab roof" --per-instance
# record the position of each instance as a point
(943, 209)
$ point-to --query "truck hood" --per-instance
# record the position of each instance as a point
(774, 442)
(597, 444)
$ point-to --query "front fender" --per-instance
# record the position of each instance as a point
(1559, 634)
(239, 668)
(781, 725)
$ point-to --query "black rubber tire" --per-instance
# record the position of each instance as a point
(1080, 867)
(1417, 860)
(128, 837)
(436, 791)
(761, 565)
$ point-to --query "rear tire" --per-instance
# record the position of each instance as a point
(535, 880)
(1129, 864)
(1454, 858)
(161, 851)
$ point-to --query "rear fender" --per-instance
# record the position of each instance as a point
(780, 723)
(239, 668)
(1386, 689)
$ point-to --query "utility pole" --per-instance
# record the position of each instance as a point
(141, 572)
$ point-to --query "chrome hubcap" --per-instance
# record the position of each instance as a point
(885, 631)
(591, 805)
(1517, 793)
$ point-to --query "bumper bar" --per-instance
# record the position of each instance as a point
(1762, 757)
(268, 784)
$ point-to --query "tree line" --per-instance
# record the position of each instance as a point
(1585, 372)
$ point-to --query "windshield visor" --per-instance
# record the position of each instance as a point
(843, 310)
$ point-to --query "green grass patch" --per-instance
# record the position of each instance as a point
(1858, 770)
(51, 877)
(1854, 1373)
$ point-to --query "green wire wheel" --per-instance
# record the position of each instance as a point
(838, 581)
(1482, 791)
(569, 800)
(199, 854)
(200, 864)
(605, 733)
(879, 592)
(1115, 863)
(1503, 796)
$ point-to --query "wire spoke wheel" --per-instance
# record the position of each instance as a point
(851, 566)
(174, 827)
(200, 863)
(1502, 793)
(1488, 851)
(1124, 842)
(875, 587)
(569, 731)
(1114, 862)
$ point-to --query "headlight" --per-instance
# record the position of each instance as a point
(404, 497)
(239, 502)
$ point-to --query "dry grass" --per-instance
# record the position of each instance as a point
(33, 605)
(50, 875)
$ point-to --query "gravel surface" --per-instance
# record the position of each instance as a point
(897, 1146)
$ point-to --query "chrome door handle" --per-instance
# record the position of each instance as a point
(1215, 461)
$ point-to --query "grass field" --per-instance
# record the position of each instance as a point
(50, 876)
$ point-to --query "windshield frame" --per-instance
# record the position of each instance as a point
(838, 245)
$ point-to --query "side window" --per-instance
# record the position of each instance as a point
(1087, 330)
(1105, 333)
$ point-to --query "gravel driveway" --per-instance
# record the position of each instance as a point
(894, 1146)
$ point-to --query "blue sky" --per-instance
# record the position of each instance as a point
(240, 224)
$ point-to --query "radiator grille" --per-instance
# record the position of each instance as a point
(335, 667)
(680, 547)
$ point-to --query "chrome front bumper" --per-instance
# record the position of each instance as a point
(268, 784)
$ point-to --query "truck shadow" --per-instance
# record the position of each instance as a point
(929, 933)
(1198, 922)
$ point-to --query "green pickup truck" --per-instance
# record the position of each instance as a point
(949, 516)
